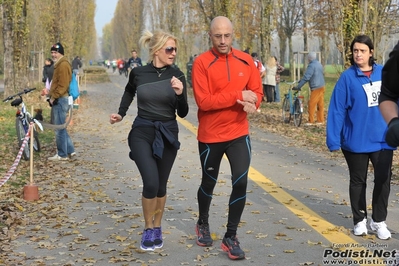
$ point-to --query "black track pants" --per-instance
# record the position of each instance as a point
(238, 152)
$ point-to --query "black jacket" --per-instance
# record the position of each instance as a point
(48, 71)
(76, 63)
(390, 77)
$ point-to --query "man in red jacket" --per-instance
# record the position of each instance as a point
(227, 86)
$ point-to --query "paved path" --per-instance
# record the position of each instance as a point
(296, 201)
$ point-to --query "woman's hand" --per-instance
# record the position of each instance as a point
(177, 85)
(113, 118)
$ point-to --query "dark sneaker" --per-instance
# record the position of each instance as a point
(204, 238)
(147, 242)
(232, 247)
(158, 241)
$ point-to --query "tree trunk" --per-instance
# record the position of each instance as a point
(351, 27)
(8, 52)
(305, 27)
(14, 38)
(291, 58)
(265, 30)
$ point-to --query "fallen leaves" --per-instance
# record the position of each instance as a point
(289, 251)
(121, 238)
(113, 227)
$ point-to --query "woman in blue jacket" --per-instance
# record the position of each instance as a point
(356, 126)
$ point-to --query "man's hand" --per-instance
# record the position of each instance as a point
(296, 89)
(392, 136)
(249, 96)
(52, 101)
(248, 106)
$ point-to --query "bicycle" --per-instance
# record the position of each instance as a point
(292, 105)
(22, 121)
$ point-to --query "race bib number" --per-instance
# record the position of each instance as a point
(372, 92)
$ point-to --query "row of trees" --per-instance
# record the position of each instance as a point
(29, 29)
(260, 25)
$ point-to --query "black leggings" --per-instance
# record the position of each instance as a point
(154, 172)
(268, 91)
(238, 152)
(358, 165)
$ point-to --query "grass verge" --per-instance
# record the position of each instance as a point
(9, 143)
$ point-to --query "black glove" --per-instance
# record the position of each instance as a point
(54, 102)
(296, 89)
(392, 136)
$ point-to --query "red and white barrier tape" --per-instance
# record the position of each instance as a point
(17, 159)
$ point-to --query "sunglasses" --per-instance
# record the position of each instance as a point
(170, 49)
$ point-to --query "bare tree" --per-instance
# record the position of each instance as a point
(106, 41)
(289, 21)
(126, 27)
(255, 22)
(319, 27)
(72, 25)
(266, 23)
(14, 13)
(379, 19)
(352, 17)
(33, 26)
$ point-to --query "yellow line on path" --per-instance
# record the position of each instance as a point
(330, 231)
(334, 234)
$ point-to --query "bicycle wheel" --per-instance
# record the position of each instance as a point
(286, 110)
(297, 113)
(36, 143)
(21, 135)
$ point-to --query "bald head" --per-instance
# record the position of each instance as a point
(220, 22)
(221, 34)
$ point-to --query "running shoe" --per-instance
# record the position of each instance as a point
(360, 228)
(204, 238)
(381, 228)
(158, 241)
(58, 158)
(232, 247)
(147, 241)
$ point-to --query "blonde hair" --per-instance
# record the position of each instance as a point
(271, 62)
(155, 41)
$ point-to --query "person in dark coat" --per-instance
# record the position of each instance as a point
(48, 70)
(76, 64)
(389, 96)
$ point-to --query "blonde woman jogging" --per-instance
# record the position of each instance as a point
(153, 139)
